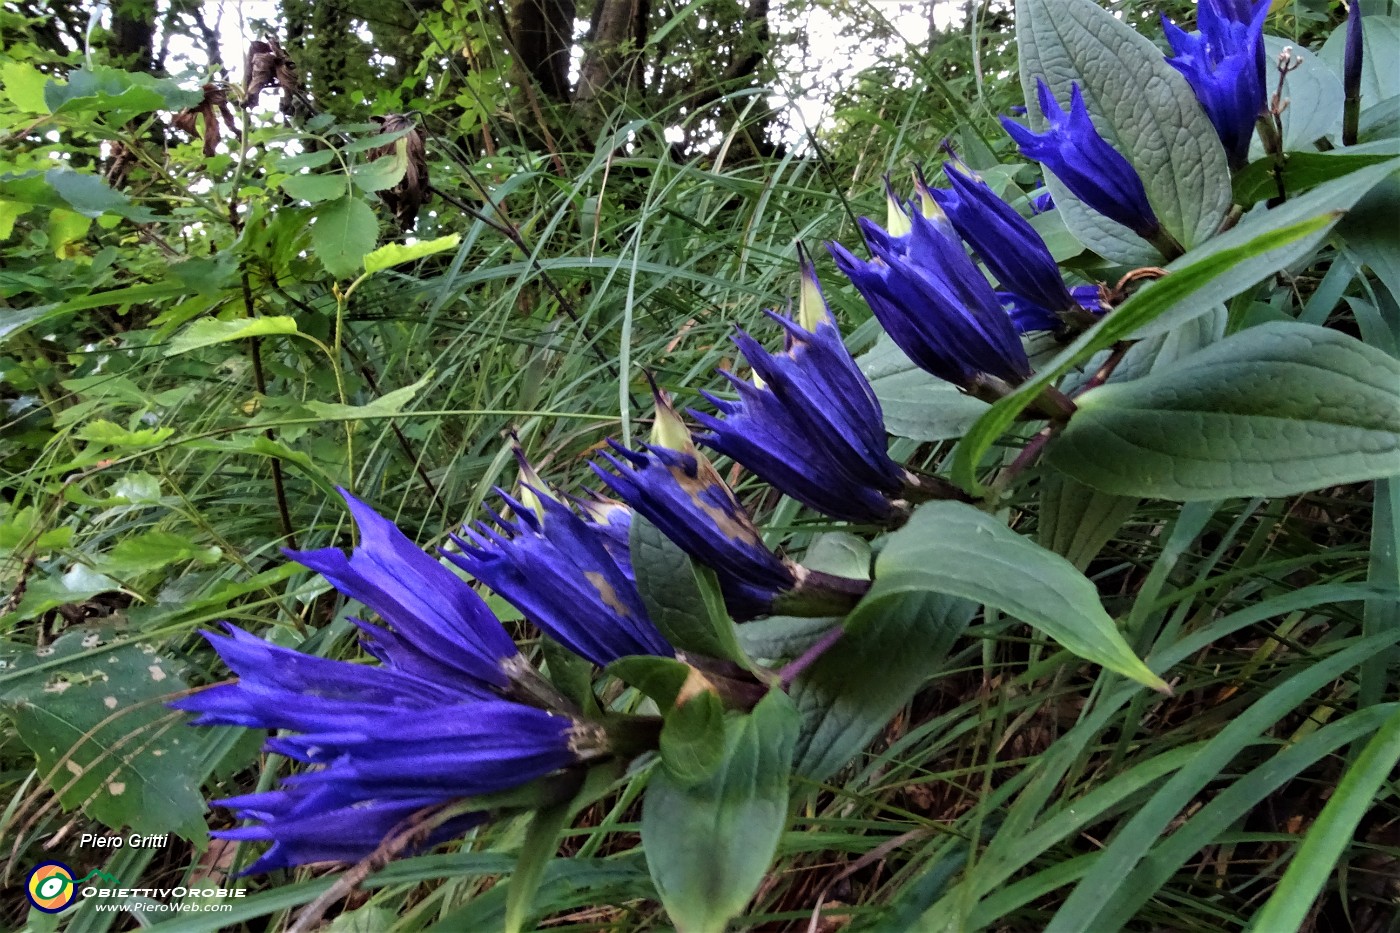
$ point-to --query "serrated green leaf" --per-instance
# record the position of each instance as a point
(709, 845)
(390, 403)
(101, 431)
(1275, 410)
(383, 173)
(682, 598)
(396, 254)
(1142, 105)
(345, 230)
(209, 331)
(88, 194)
(24, 86)
(102, 736)
(314, 187)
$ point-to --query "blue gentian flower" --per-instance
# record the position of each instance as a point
(1224, 64)
(936, 305)
(1041, 201)
(440, 627)
(318, 824)
(1007, 243)
(387, 744)
(1092, 170)
(1030, 317)
(811, 427)
(560, 572)
(673, 485)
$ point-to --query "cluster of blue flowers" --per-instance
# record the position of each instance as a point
(453, 710)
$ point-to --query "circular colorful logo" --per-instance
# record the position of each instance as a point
(50, 887)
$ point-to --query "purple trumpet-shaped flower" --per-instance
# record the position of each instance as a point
(1030, 317)
(387, 744)
(935, 304)
(561, 573)
(327, 692)
(1224, 64)
(673, 485)
(318, 824)
(1041, 201)
(440, 627)
(1085, 163)
(1007, 243)
(811, 427)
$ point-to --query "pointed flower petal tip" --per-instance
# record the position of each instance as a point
(814, 431)
(439, 627)
(937, 306)
(1005, 240)
(682, 495)
(565, 575)
(1084, 162)
(812, 308)
(1224, 64)
(669, 429)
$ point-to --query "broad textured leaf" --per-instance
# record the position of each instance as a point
(1142, 105)
(1263, 243)
(396, 254)
(118, 95)
(1278, 409)
(681, 597)
(345, 230)
(709, 845)
(96, 722)
(208, 331)
(916, 404)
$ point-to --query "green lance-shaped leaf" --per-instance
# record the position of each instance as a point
(682, 598)
(956, 549)
(1142, 105)
(894, 642)
(1275, 410)
(100, 733)
(709, 844)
